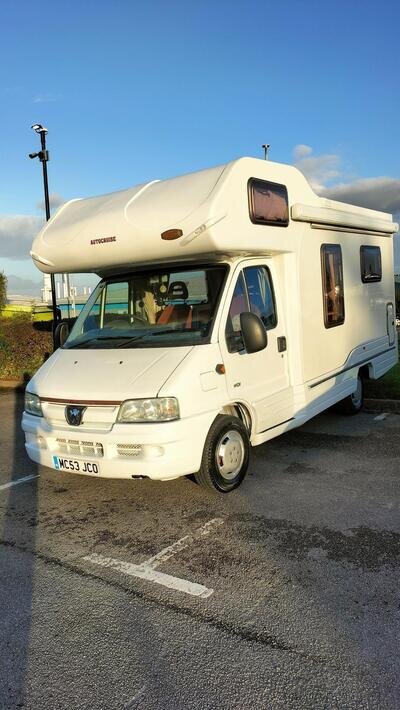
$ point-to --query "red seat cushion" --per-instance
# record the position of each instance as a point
(180, 313)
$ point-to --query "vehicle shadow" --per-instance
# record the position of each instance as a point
(17, 502)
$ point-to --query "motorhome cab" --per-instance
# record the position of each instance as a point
(234, 304)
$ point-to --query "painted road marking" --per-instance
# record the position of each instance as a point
(151, 575)
(18, 481)
(147, 570)
(171, 550)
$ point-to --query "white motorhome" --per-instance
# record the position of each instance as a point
(234, 304)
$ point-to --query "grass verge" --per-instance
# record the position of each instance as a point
(387, 387)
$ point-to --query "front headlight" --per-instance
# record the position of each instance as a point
(160, 409)
(32, 404)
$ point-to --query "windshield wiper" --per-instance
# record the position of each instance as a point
(98, 337)
(128, 339)
(164, 331)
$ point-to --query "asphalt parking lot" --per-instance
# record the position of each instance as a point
(283, 594)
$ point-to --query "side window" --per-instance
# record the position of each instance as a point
(253, 292)
(239, 304)
(332, 284)
(116, 303)
(261, 295)
(371, 264)
(92, 320)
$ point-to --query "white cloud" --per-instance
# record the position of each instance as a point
(16, 285)
(55, 200)
(378, 193)
(17, 232)
(301, 151)
(320, 170)
(397, 254)
(16, 235)
(46, 98)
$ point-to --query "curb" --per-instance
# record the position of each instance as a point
(17, 385)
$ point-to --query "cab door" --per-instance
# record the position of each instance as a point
(260, 380)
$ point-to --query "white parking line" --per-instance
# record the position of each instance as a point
(147, 570)
(18, 481)
(171, 550)
(151, 575)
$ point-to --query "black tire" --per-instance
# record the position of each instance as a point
(225, 456)
(354, 402)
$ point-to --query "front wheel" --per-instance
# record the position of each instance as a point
(354, 402)
(225, 456)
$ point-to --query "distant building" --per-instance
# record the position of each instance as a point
(64, 289)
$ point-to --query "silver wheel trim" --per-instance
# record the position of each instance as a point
(356, 397)
(229, 454)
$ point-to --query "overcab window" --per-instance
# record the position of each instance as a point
(371, 264)
(332, 284)
(268, 203)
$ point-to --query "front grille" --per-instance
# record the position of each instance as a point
(129, 450)
(81, 448)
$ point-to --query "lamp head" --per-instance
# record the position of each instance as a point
(39, 128)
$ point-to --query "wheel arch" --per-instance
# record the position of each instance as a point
(241, 411)
(366, 371)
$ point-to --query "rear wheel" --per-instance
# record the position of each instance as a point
(225, 456)
(354, 402)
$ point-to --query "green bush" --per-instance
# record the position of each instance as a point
(23, 347)
(3, 291)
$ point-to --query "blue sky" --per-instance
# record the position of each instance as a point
(132, 91)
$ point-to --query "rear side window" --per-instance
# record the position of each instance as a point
(371, 264)
(332, 284)
(268, 203)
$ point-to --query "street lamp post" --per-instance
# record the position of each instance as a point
(266, 147)
(43, 156)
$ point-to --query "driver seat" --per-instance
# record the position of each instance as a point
(177, 313)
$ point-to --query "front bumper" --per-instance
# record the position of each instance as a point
(160, 451)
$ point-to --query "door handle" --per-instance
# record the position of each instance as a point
(282, 345)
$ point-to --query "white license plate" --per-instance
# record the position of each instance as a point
(62, 464)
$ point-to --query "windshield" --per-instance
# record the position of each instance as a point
(150, 309)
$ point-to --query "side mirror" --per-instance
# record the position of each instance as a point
(61, 333)
(254, 335)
